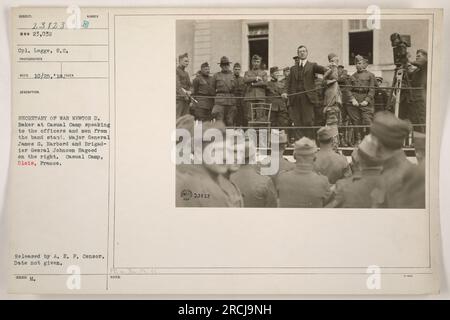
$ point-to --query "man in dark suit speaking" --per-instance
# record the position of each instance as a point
(302, 78)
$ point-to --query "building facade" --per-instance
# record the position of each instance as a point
(277, 41)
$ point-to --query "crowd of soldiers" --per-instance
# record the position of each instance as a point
(379, 174)
(298, 96)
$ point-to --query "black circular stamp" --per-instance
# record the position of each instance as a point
(186, 194)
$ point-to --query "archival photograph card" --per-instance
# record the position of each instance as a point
(224, 151)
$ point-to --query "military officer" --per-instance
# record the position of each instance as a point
(342, 183)
(279, 116)
(366, 189)
(206, 184)
(415, 196)
(202, 87)
(381, 97)
(419, 79)
(257, 190)
(183, 86)
(283, 163)
(414, 187)
(256, 81)
(223, 83)
(328, 162)
(389, 133)
(343, 79)
(414, 106)
(302, 187)
(361, 95)
(286, 72)
(239, 91)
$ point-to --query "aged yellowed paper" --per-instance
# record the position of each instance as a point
(99, 205)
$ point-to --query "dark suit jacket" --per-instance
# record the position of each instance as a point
(309, 71)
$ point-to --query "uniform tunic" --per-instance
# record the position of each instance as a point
(240, 87)
(361, 115)
(332, 165)
(397, 172)
(302, 187)
(196, 186)
(344, 80)
(257, 191)
(332, 95)
(413, 107)
(255, 89)
(413, 191)
(381, 99)
(284, 166)
(255, 92)
(202, 87)
(364, 190)
(223, 83)
(279, 116)
(182, 82)
(239, 91)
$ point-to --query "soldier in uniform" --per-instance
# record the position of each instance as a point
(332, 96)
(381, 98)
(283, 164)
(361, 94)
(239, 91)
(205, 185)
(286, 72)
(257, 190)
(419, 146)
(416, 185)
(413, 108)
(302, 187)
(279, 116)
(389, 133)
(183, 86)
(256, 81)
(343, 80)
(342, 183)
(328, 162)
(202, 87)
(319, 111)
(366, 189)
(294, 134)
(302, 78)
(223, 84)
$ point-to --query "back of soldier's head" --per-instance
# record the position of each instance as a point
(305, 150)
(367, 153)
(389, 130)
(325, 135)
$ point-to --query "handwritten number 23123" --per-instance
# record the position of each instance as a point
(49, 25)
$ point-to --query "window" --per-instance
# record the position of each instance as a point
(258, 43)
(360, 41)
